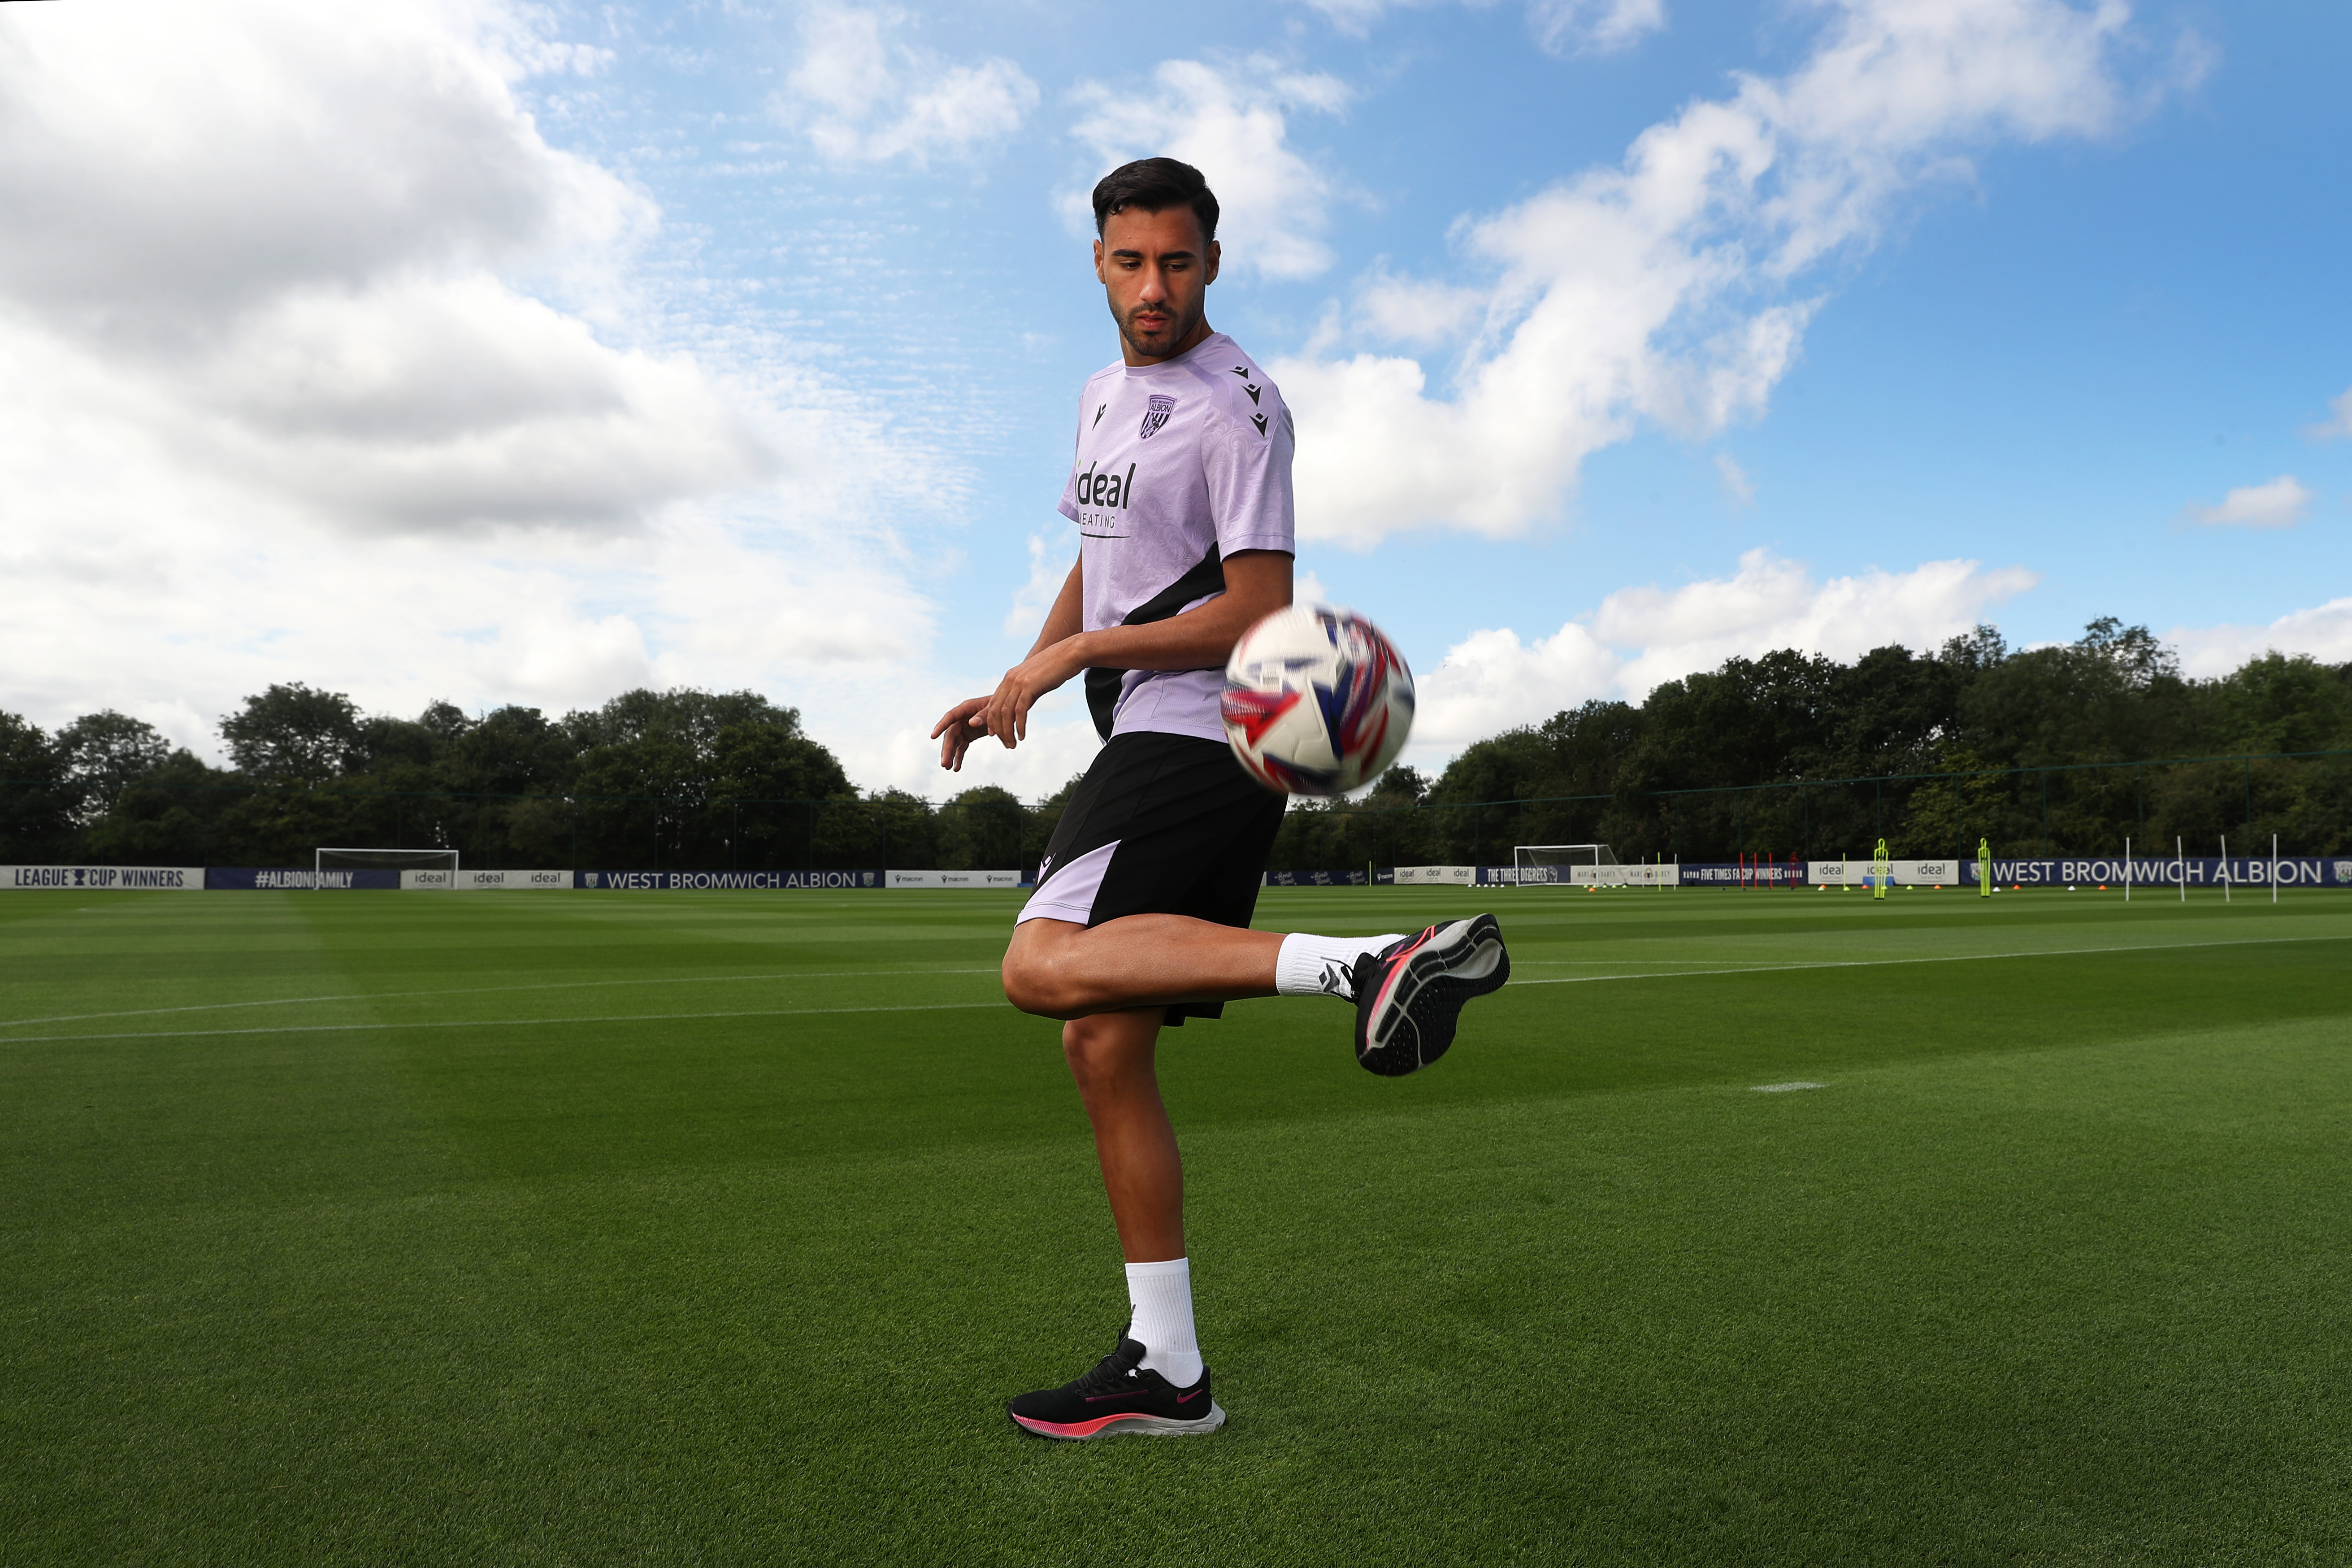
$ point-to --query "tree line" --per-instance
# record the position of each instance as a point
(683, 779)
(2052, 750)
(2042, 751)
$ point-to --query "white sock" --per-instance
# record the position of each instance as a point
(1161, 1297)
(1323, 965)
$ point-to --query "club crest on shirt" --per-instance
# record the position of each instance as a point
(1155, 416)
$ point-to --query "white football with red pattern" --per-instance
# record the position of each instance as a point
(1316, 700)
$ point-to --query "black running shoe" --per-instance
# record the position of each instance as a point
(1119, 1396)
(1408, 994)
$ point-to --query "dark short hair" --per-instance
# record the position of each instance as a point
(1155, 185)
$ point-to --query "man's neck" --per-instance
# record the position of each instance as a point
(1201, 333)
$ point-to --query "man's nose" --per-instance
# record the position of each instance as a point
(1155, 283)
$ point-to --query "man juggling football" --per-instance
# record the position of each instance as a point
(1181, 488)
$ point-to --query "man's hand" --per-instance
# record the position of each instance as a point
(1007, 713)
(961, 726)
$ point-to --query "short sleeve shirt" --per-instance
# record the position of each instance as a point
(1175, 461)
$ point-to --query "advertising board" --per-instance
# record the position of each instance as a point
(298, 878)
(954, 879)
(707, 882)
(1943, 873)
(1657, 874)
(105, 879)
(2164, 871)
(483, 881)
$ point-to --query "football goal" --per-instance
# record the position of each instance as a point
(385, 860)
(1566, 865)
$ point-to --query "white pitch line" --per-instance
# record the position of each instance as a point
(1782, 1088)
(492, 990)
(1941, 958)
(492, 1023)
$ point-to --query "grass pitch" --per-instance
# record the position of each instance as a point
(716, 1229)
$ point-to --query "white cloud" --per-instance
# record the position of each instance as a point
(292, 284)
(1563, 27)
(145, 580)
(2281, 504)
(2324, 634)
(280, 407)
(1230, 120)
(1049, 567)
(1491, 681)
(157, 192)
(1639, 638)
(2339, 426)
(1595, 26)
(1419, 313)
(1738, 488)
(1672, 287)
(1062, 743)
(862, 97)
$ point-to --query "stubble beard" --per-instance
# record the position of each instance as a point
(1158, 345)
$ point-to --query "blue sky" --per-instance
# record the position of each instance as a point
(518, 355)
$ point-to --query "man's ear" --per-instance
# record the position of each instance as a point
(1217, 253)
(1098, 258)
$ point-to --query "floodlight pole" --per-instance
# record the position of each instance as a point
(2180, 866)
(2225, 867)
(2127, 869)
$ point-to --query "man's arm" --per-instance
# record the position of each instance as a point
(966, 722)
(1257, 583)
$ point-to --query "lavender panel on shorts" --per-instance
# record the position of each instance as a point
(1068, 892)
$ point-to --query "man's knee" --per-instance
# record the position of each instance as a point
(1105, 1049)
(1036, 976)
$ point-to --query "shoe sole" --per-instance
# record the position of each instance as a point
(1411, 1018)
(1114, 1425)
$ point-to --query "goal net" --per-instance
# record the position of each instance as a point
(385, 860)
(1567, 865)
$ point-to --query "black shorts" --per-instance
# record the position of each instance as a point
(1161, 825)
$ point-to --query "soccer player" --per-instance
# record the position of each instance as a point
(1180, 490)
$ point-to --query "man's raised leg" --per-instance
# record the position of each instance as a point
(1058, 969)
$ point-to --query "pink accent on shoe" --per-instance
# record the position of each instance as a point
(1077, 1428)
(1396, 967)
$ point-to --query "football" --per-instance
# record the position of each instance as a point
(1316, 700)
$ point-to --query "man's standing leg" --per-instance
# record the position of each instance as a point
(1154, 1381)
(1143, 916)
(1112, 1057)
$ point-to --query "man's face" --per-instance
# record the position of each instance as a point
(1156, 269)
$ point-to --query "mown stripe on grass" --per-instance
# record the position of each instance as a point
(487, 990)
(942, 1007)
(493, 1023)
(1939, 958)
